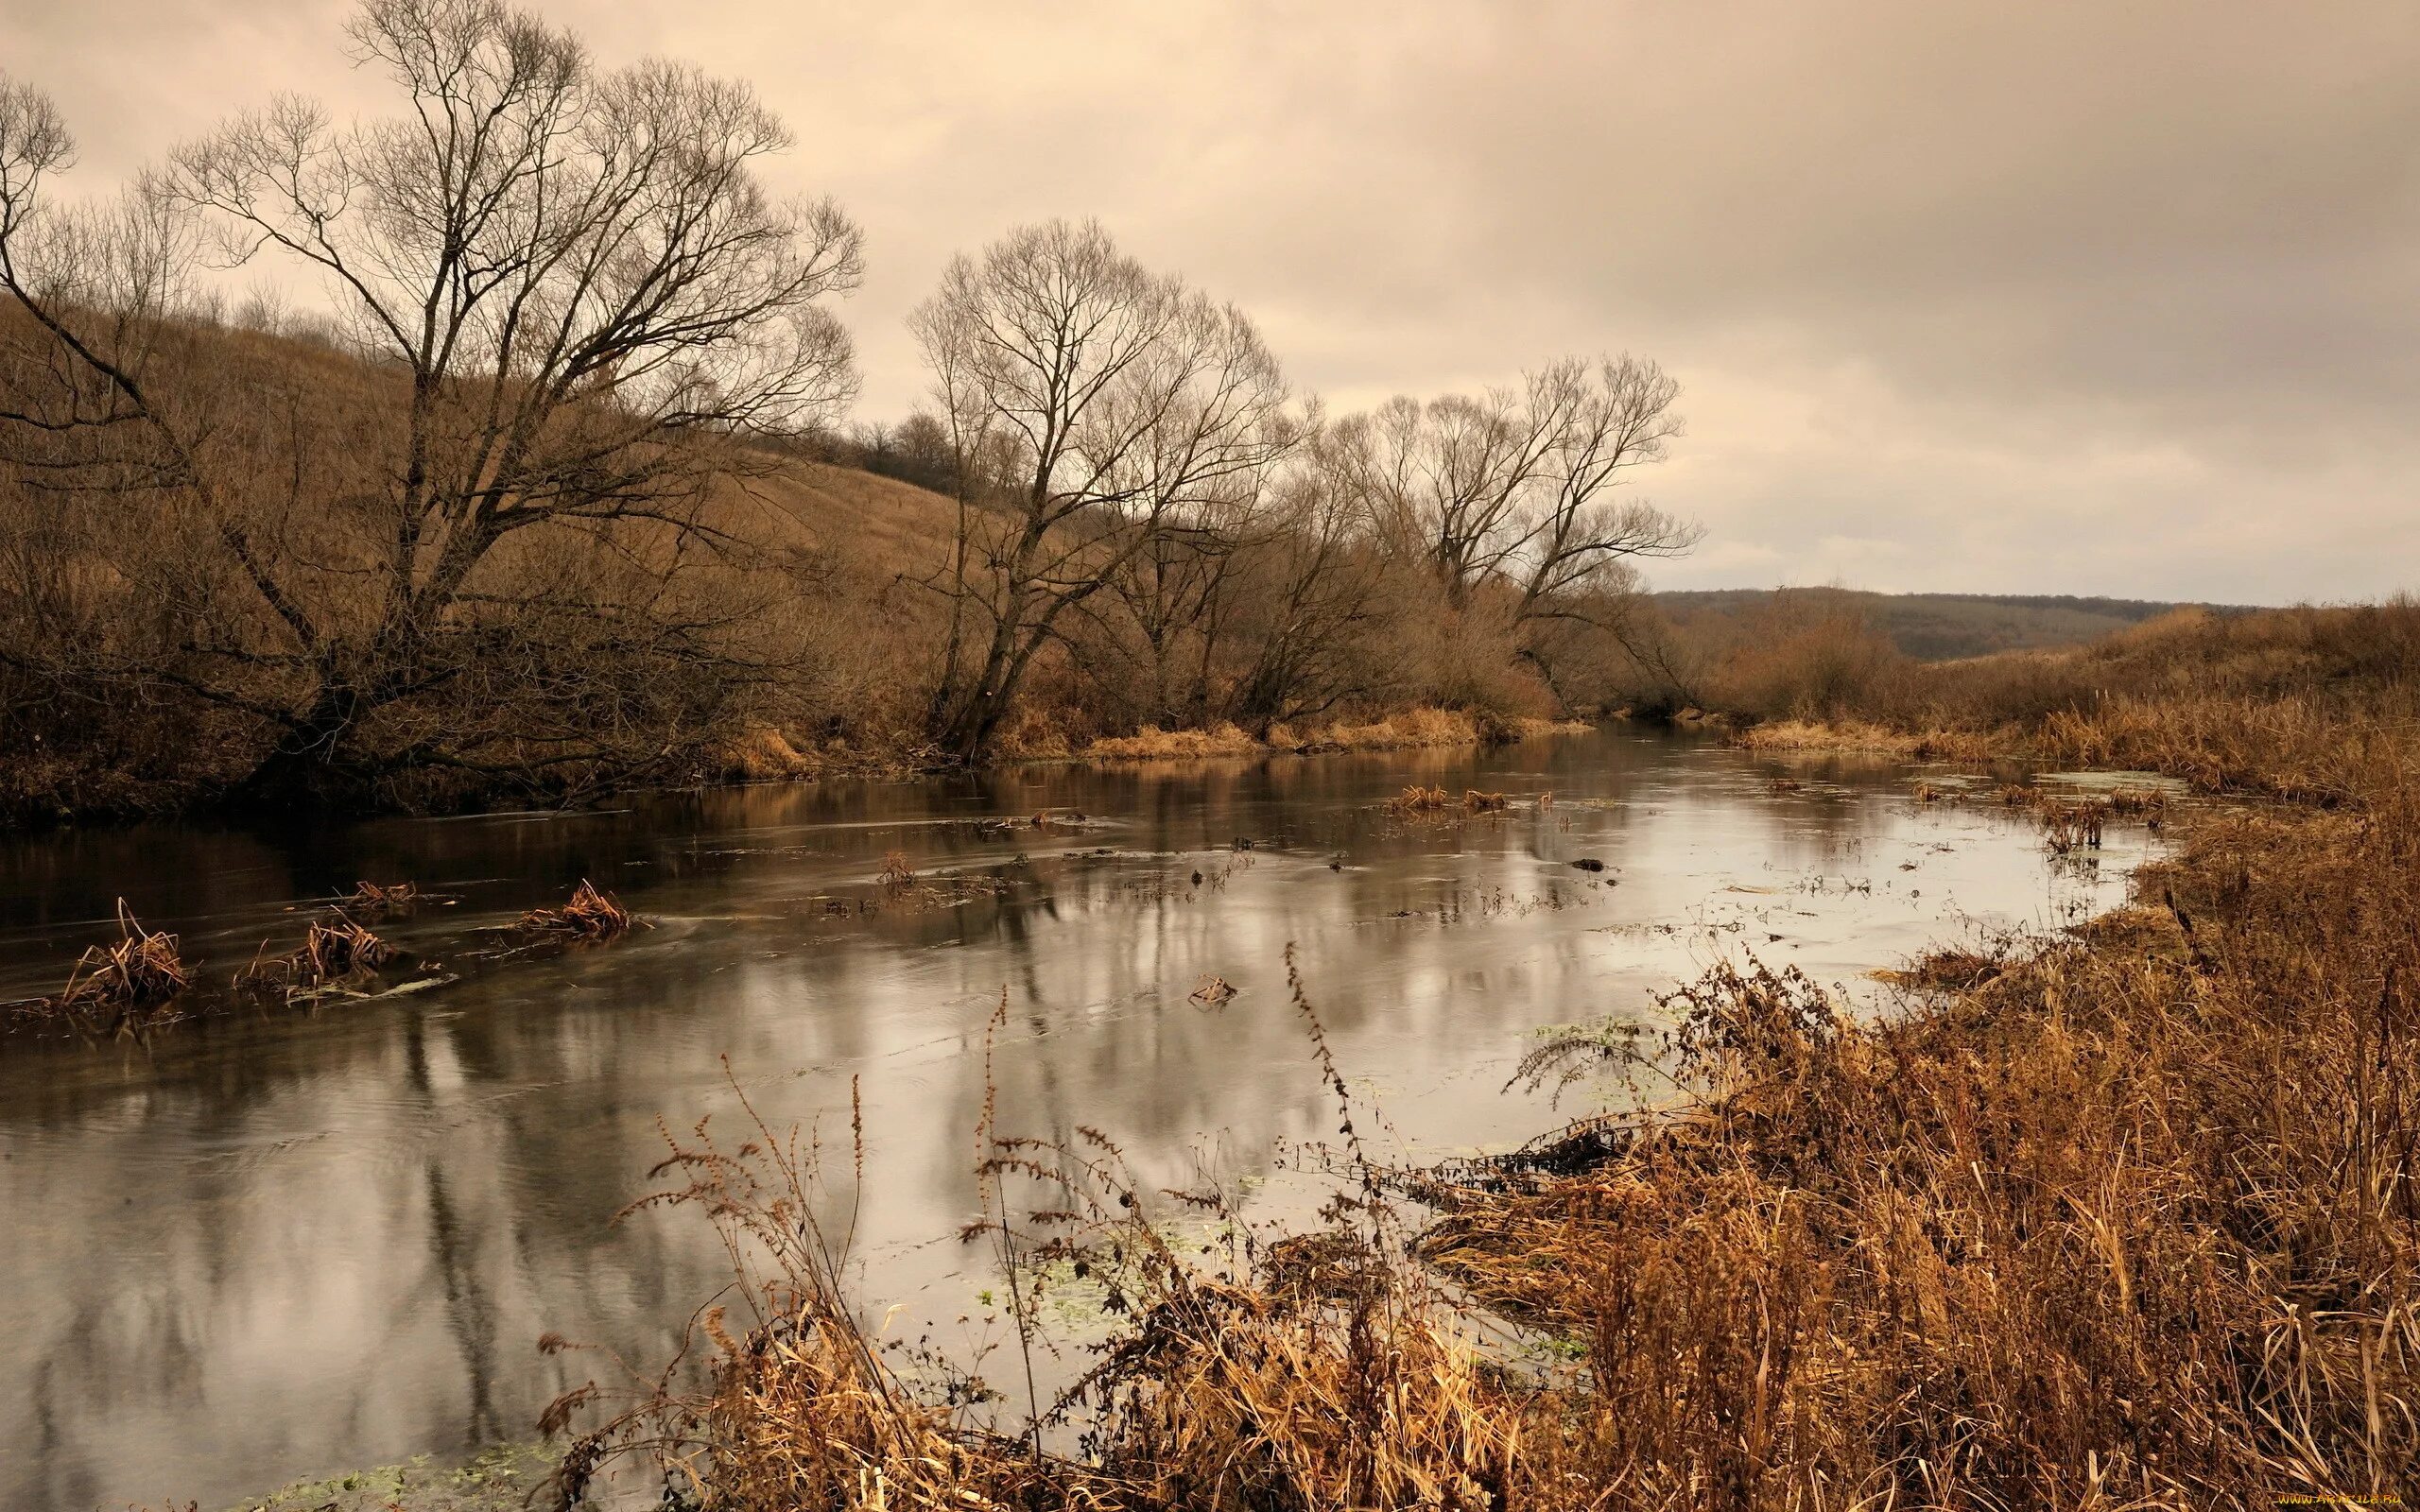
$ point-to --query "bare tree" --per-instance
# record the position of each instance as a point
(1602, 425)
(1092, 406)
(1310, 587)
(1448, 478)
(586, 303)
(1513, 486)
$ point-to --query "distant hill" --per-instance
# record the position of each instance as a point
(1944, 626)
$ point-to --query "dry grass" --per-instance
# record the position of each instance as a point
(2070, 827)
(336, 948)
(1434, 802)
(1946, 970)
(2296, 704)
(2126, 1221)
(590, 915)
(1417, 799)
(764, 755)
(117, 983)
(1151, 743)
(1869, 738)
(903, 889)
(1409, 729)
(1320, 1373)
(369, 901)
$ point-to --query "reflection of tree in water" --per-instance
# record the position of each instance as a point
(470, 1314)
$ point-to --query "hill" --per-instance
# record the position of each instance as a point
(1946, 627)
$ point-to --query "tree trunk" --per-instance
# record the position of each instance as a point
(314, 760)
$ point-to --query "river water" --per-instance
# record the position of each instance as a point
(261, 1246)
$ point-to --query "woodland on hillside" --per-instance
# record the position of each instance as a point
(526, 502)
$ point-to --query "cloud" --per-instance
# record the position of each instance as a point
(2062, 297)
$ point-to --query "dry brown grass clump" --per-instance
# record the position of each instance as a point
(1151, 743)
(590, 915)
(111, 984)
(1947, 970)
(335, 948)
(369, 901)
(1419, 799)
(764, 755)
(1417, 802)
(1867, 738)
(906, 890)
(2070, 827)
(1406, 730)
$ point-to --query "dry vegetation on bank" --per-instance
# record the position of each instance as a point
(2295, 703)
(2121, 1218)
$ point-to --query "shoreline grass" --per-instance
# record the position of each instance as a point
(1408, 729)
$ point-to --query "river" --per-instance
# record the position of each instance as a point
(264, 1246)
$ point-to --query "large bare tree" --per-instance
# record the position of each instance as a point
(1094, 407)
(578, 301)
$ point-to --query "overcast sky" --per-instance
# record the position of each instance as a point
(2107, 297)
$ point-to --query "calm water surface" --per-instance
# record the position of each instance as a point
(259, 1248)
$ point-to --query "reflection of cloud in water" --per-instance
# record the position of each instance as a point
(261, 1249)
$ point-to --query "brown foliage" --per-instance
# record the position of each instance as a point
(2116, 1222)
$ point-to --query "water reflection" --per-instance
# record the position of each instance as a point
(261, 1248)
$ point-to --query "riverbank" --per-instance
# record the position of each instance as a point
(39, 794)
(2298, 704)
(765, 755)
(2122, 1216)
